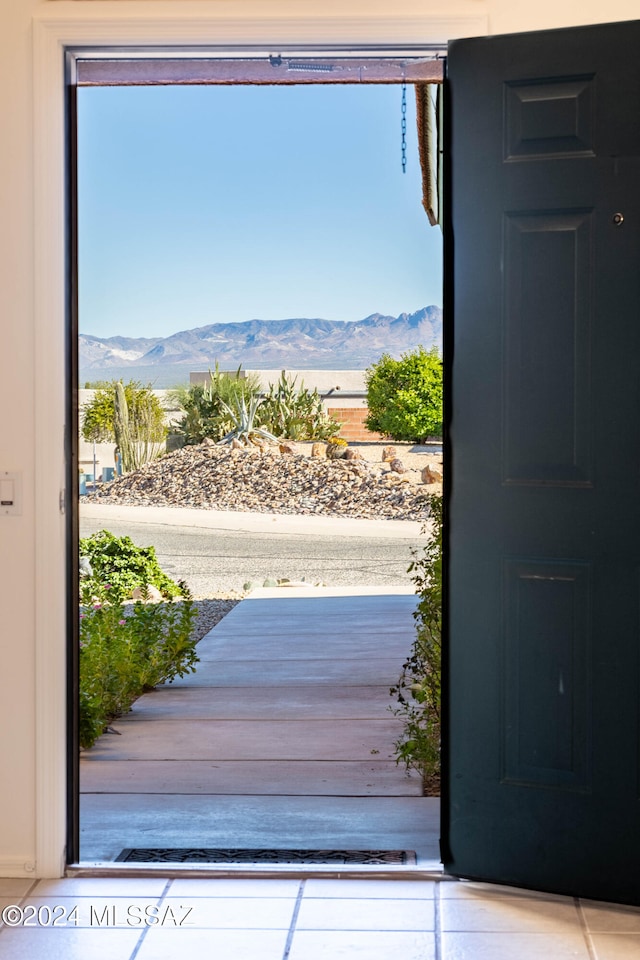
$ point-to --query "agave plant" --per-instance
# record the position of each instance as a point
(204, 416)
(243, 418)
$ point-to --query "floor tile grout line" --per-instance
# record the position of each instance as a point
(294, 921)
(591, 950)
(20, 898)
(144, 933)
(437, 920)
(31, 891)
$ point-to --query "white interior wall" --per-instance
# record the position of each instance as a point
(511, 16)
(17, 630)
(26, 823)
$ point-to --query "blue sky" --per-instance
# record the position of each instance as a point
(201, 205)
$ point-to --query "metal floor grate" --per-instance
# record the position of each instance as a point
(231, 855)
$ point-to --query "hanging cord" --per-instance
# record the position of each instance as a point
(404, 127)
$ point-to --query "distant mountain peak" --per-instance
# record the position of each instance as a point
(256, 343)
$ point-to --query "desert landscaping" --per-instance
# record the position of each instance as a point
(369, 480)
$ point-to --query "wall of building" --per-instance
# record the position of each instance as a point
(353, 428)
(324, 381)
(18, 585)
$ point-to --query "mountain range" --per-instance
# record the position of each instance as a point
(297, 343)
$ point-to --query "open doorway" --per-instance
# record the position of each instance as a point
(279, 226)
(52, 34)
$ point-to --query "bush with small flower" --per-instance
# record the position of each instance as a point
(124, 565)
(127, 649)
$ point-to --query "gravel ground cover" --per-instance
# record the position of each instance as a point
(266, 480)
(211, 610)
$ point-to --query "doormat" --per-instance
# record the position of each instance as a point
(232, 855)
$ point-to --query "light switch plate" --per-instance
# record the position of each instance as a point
(10, 493)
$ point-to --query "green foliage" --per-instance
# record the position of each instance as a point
(418, 690)
(98, 416)
(145, 411)
(124, 652)
(120, 566)
(129, 415)
(405, 396)
(205, 415)
(296, 413)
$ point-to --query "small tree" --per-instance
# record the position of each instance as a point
(405, 396)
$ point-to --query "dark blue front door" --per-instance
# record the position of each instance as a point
(542, 745)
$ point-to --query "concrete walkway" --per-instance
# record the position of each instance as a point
(282, 738)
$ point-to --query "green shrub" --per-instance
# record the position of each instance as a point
(125, 651)
(206, 406)
(296, 413)
(405, 396)
(119, 566)
(418, 690)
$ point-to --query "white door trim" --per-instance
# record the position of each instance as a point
(190, 23)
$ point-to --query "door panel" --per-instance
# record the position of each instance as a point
(547, 312)
(542, 670)
(551, 117)
(545, 674)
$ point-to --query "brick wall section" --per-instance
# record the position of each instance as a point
(353, 428)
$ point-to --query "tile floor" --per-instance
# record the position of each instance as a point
(161, 919)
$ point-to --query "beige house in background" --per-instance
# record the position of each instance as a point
(33, 33)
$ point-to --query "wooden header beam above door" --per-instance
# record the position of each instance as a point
(276, 69)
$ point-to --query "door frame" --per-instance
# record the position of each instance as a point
(180, 27)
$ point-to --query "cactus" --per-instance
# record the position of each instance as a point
(336, 448)
(122, 430)
(296, 413)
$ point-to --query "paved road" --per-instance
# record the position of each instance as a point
(215, 558)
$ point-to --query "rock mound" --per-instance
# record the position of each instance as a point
(264, 481)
